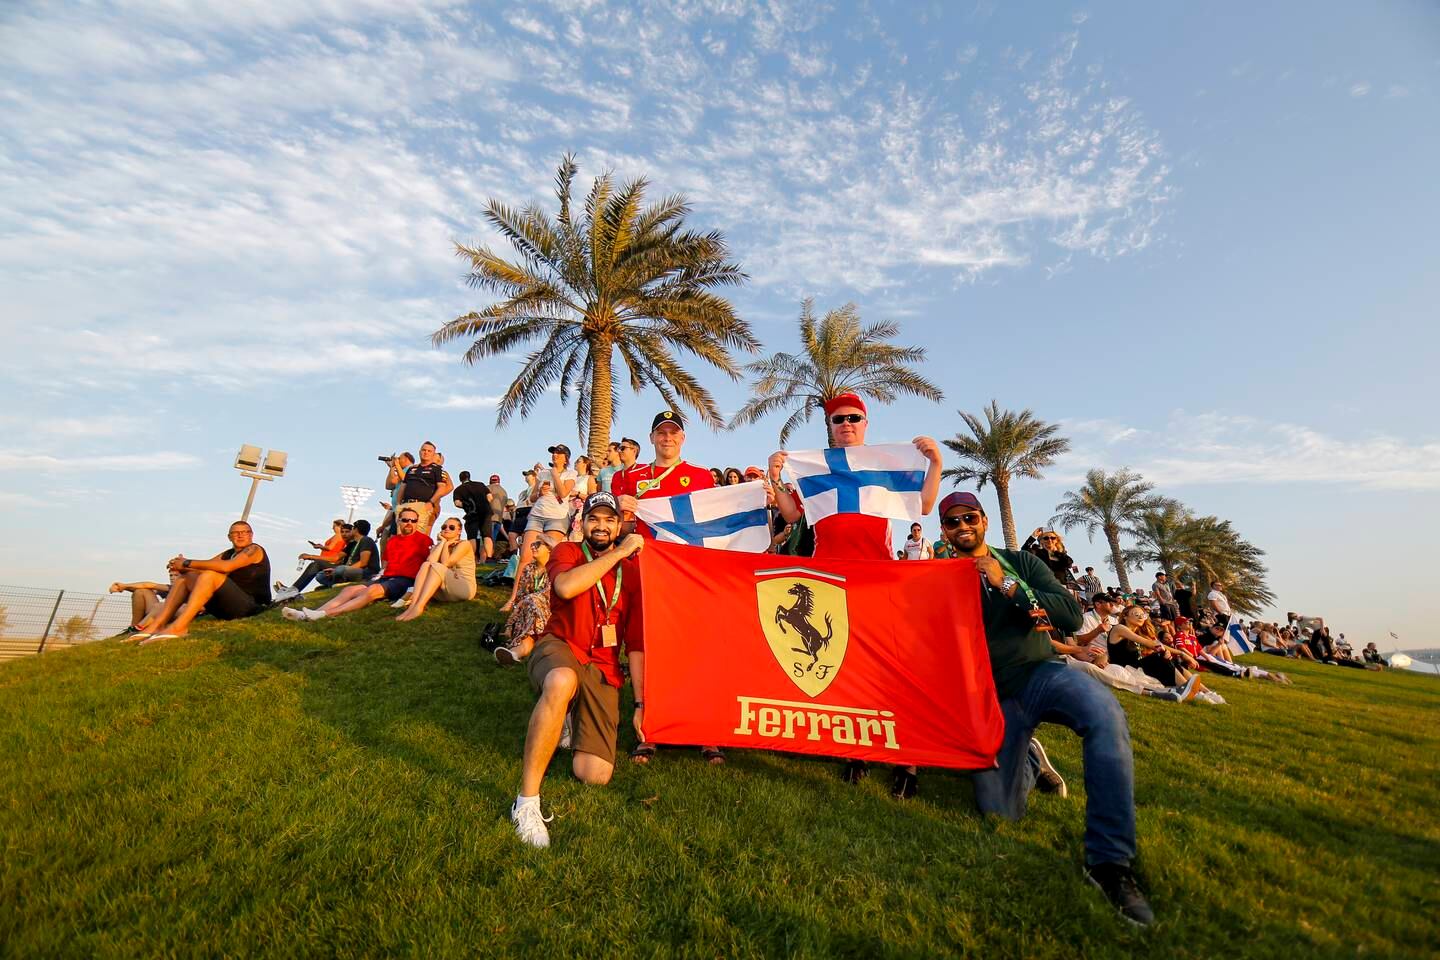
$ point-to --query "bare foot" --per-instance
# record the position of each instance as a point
(508, 604)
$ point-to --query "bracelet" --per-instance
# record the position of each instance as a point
(184, 564)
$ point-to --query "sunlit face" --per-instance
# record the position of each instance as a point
(667, 440)
(964, 528)
(427, 454)
(914, 531)
(541, 552)
(241, 536)
(450, 530)
(845, 433)
(601, 527)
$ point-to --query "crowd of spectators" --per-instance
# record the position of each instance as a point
(569, 537)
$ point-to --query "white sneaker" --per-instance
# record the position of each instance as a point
(286, 593)
(529, 824)
(402, 603)
(1047, 778)
(295, 613)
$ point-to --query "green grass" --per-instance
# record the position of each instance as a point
(341, 788)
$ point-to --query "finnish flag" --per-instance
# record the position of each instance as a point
(723, 518)
(883, 480)
(1236, 638)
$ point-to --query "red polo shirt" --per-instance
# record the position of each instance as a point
(577, 620)
(404, 553)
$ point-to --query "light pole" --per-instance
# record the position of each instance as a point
(354, 497)
(269, 465)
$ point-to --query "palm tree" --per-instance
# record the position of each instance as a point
(1007, 445)
(617, 276)
(837, 356)
(1109, 503)
(1164, 535)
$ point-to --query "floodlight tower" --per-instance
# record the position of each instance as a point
(354, 497)
(270, 466)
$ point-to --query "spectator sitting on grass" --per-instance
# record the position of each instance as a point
(146, 599)
(231, 585)
(448, 573)
(330, 553)
(404, 553)
(1371, 653)
(1131, 645)
(361, 561)
(532, 610)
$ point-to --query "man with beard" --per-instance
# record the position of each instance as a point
(668, 475)
(575, 666)
(1023, 605)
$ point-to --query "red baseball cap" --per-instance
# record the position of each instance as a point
(845, 400)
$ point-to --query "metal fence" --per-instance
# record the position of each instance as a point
(33, 621)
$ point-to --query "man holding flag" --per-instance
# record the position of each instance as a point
(849, 531)
(667, 475)
(1024, 605)
(575, 667)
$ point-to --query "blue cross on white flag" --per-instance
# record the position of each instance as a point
(883, 480)
(1238, 642)
(723, 518)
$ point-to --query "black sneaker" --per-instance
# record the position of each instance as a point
(855, 771)
(1048, 779)
(1117, 882)
(905, 785)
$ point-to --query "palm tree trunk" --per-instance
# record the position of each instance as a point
(602, 401)
(1007, 514)
(1112, 535)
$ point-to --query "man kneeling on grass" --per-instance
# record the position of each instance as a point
(575, 666)
(231, 585)
(404, 553)
(1023, 605)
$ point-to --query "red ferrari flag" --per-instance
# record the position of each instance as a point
(879, 660)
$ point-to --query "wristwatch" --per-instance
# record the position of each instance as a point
(1008, 585)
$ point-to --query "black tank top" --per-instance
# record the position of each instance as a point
(254, 579)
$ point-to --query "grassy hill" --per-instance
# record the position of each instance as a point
(341, 789)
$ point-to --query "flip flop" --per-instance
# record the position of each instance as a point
(642, 753)
(712, 756)
(159, 636)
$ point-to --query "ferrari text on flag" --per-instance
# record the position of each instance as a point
(843, 658)
(723, 518)
(882, 480)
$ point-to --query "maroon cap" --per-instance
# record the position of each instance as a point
(960, 498)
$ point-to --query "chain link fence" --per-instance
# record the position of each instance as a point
(33, 620)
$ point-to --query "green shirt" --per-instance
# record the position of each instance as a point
(1016, 647)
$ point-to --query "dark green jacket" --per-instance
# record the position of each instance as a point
(1015, 646)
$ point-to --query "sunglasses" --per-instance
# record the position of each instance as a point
(840, 418)
(969, 519)
(409, 519)
(450, 526)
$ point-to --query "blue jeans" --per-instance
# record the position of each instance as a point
(1074, 699)
(310, 572)
(341, 574)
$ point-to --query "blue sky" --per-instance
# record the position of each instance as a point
(1200, 237)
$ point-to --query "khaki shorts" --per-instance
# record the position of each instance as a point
(458, 586)
(596, 705)
(422, 510)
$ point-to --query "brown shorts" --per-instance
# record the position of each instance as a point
(596, 705)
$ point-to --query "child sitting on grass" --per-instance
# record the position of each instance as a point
(532, 608)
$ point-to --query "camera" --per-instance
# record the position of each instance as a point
(384, 459)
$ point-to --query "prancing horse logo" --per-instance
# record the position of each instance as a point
(807, 616)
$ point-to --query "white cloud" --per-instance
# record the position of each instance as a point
(1360, 89)
(458, 401)
(44, 463)
(1214, 448)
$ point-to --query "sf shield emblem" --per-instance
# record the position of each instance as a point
(808, 626)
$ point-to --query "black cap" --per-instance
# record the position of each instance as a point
(559, 448)
(666, 416)
(601, 499)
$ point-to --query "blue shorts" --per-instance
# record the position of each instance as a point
(394, 587)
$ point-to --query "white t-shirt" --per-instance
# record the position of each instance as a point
(548, 507)
(1089, 622)
(1219, 602)
(918, 549)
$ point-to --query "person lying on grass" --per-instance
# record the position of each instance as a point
(403, 554)
(232, 585)
(531, 612)
(448, 573)
(575, 667)
(1022, 604)
(146, 599)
